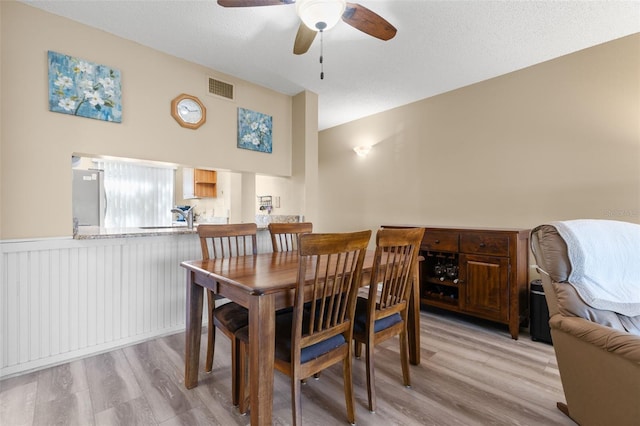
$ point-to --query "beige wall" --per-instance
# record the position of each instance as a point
(559, 140)
(2, 129)
(283, 188)
(36, 144)
(305, 153)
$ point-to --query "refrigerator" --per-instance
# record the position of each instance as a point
(89, 199)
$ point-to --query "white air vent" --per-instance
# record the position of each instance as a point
(221, 88)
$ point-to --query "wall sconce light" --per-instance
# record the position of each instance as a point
(362, 151)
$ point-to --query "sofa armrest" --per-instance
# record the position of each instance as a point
(621, 343)
(600, 371)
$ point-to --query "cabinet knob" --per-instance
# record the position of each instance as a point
(437, 241)
(483, 245)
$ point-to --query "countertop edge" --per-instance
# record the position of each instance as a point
(95, 232)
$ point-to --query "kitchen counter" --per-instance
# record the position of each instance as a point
(96, 232)
(178, 228)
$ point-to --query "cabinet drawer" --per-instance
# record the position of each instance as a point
(484, 243)
(440, 241)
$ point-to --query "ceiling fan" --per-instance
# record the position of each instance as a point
(320, 15)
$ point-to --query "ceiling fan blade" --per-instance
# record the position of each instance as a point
(304, 38)
(368, 22)
(252, 3)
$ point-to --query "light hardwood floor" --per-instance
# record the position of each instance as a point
(472, 373)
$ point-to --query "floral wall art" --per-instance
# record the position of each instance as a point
(83, 88)
(254, 130)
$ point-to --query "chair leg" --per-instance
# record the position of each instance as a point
(371, 383)
(236, 368)
(563, 408)
(357, 349)
(243, 398)
(316, 376)
(404, 357)
(296, 400)
(348, 389)
(211, 333)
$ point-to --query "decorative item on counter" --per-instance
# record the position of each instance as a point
(254, 131)
(83, 88)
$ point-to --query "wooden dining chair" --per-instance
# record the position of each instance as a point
(284, 236)
(221, 241)
(317, 335)
(383, 314)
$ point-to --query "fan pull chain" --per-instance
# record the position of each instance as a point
(321, 54)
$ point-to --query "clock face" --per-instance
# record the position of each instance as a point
(190, 111)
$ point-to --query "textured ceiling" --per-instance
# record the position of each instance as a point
(440, 45)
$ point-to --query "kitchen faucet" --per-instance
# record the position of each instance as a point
(188, 215)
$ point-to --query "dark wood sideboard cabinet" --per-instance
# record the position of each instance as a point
(482, 272)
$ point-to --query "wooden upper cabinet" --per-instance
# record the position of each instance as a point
(199, 183)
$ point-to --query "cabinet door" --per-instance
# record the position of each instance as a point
(188, 190)
(204, 182)
(484, 286)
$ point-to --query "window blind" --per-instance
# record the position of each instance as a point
(137, 195)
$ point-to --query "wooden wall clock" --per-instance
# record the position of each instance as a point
(188, 111)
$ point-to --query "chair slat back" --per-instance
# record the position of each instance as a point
(228, 240)
(394, 265)
(330, 269)
(284, 236)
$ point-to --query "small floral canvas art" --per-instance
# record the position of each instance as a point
(254, 130)
(82, 88)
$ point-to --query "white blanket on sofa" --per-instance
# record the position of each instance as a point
(605, 262)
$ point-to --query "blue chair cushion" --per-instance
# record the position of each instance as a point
(360, 320)
(283, 340)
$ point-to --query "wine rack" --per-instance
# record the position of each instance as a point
(440, 278)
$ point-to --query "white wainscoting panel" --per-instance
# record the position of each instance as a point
(62, 299)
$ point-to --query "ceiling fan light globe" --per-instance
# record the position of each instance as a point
(320, 15)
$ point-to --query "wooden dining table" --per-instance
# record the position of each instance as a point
(261, 283)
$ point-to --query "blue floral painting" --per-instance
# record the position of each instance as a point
(254, 130)
(82, 88)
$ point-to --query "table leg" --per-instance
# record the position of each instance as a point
(261, 357)
(195, 295)
(413, 326)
